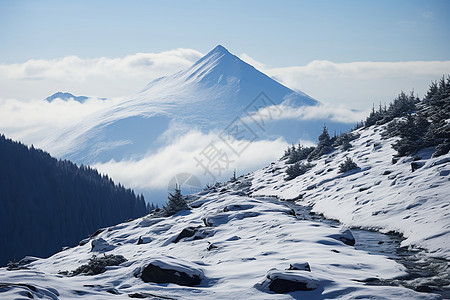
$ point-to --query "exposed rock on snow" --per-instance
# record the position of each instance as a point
(100, 245)
(279, 281)
(168, 270)
(300, 267)
(345, 236)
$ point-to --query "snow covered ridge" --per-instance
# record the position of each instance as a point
(237, 247)
(409, 196)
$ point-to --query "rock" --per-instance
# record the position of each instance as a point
(416, 165)
(345, 236)
(172, 271)
(211, 246)
(112, 291)
(288, 281)
(100, 245)
(83, 242)
(97, 232)
(285, 286)
(186, 232)
(137, 295)
(300, 267)
(423, 289)
(144, 240)
(195, 232)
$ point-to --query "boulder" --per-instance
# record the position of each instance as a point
(345, 236)
(300, 267)
(170, 270)
(286, 281)
(100, 245)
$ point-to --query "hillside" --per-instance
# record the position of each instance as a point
(47, 203)
(253, 237)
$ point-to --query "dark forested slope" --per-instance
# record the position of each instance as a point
(47, 203)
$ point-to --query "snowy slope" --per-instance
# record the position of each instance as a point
(239, 243)
(379, 195)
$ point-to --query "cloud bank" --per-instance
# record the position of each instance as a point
(353, 84)
(156, 169)
(360, 84)
(103, 77)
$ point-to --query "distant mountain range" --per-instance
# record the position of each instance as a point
(67, 97)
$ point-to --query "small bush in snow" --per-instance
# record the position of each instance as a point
(97, 265)
(297, 169)
(343, 140)
(297, 154)
(347, 165)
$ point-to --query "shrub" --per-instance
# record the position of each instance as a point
(347, 165)
(298, 154)
(343, 140)
(296, 170)
(97, 265)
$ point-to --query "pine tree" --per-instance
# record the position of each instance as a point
(233, 178)
(176, 202)
(324, 145)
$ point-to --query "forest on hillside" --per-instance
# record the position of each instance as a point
(47, 203)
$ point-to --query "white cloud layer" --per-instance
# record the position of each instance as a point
(354, 85)
(335, 113)
(360, 84)
(105, 77)
(155, 170)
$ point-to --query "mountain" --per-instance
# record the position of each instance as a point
(211, 93)
(66, 97)
(47, 203)
(261, 236)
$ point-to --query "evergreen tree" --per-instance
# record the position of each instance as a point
(233, 178)
(176, 202)
(324, 145)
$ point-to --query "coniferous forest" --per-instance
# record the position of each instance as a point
(47, 203)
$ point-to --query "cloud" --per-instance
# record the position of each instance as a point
(105, 77)
(156, 169)
(333, 113)
(78, 69)
(362, 70)
(360, 84)
(34, 121)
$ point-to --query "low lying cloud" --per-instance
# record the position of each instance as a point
(36, 121)
(155, 170)
(333, 113)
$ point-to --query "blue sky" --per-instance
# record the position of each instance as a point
(279, 33)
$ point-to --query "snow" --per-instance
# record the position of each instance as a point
(379, 195)
(252, 238)
(247, 237)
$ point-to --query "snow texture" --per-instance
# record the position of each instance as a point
(378, 195)
(248, 241)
